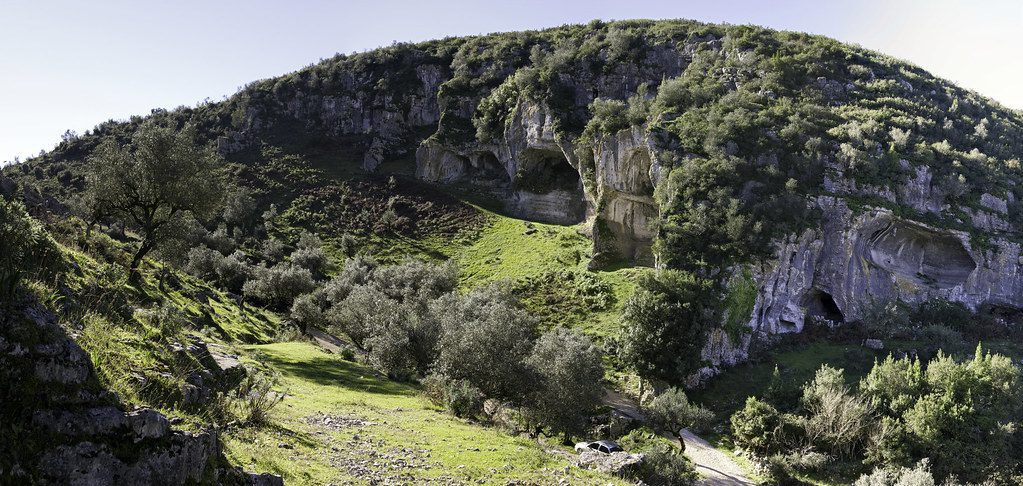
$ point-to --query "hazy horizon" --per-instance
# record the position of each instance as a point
(77, 65)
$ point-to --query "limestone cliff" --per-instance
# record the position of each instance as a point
(916, 182)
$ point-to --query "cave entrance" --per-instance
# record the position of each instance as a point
(820, 305)
(486, 170)
(548, 188)
(543, 171)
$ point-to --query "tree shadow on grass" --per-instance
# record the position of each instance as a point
(329, 371)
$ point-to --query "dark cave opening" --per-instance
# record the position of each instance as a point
(542, 171)
(485, 169)
(821, 305)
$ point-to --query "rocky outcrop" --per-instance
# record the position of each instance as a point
(612, 187)
(60, 426)
(833, 273)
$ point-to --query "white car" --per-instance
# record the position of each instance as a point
(604, 446)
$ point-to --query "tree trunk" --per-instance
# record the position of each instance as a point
(136, 260)
(681, 442)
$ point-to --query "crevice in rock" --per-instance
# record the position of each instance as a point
(548, 188)
(542, 171)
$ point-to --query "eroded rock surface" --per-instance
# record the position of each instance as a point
(833, 273)
(60, 426)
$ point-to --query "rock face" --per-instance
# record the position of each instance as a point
(617, 463)
(833, 273)
(71, 430)
(612, 186)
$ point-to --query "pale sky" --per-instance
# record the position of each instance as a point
(71, 64)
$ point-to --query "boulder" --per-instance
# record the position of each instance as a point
(148, 424)
(617, 463)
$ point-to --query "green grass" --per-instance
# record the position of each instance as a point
(727, 392)
(512, 249)
(319, 383)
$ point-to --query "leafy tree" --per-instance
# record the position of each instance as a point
(151, 182)
(672, 411)
(278, 286)
(485, 341)
(663, 465)
(755, 427)
(838, 419)
(569, 375)
(665, 324)
(355, 314)
(310, 255)
(893, 385)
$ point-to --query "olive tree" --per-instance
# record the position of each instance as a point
(568, 372)
(672, 411)
(151, 182)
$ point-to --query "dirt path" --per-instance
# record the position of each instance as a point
(714, 466)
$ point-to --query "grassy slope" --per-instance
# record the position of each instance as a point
(506, 250)
(403, 424)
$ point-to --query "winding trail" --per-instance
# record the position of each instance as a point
(714, 466)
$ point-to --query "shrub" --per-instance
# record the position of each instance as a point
(202, 262)
(485, 341)
(278, 286)
(355, 315)
(755, 427)
(952, 315)
(307, 313)
(24, 247)
(569, 373)
(665, 324)
(233, 271)
(919, 475)
(274, 250)
(403, 342)
(310, 255)
(665, 465)
(838, 420)
(256, 398)
(459, 397)
(415, 279)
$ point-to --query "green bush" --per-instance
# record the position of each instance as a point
(24, 248)
(278, 286)
(756, 426)
(664, 465)
(665, 324)
(569, 374)
(459, 397)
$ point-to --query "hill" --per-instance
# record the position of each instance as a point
(806, 182)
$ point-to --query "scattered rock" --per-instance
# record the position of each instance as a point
(875, 344)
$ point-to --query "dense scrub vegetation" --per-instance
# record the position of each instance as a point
(962, 416)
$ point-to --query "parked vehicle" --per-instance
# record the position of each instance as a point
(605, 446)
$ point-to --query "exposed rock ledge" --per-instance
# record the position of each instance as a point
(836, 271)
(66, 429)
(613, 189)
